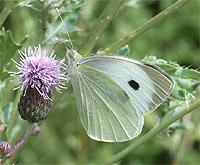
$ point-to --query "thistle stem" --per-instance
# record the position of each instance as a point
(104, 19)
(21, 140)
(7, 10)
(141, 140)
(17, 148)
(141, 29)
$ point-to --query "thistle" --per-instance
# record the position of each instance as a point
(5, 148)
(38, 75)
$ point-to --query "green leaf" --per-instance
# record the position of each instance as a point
(168, 66)
(73, 5)
(4, 75)
(188, 73)
(181, 94)
(24, 3)
(2, 85)
(187, 84)
(6, 111)
(56, 29)
(176, 125)
(124, 51)
(173, 68)
(8, 47)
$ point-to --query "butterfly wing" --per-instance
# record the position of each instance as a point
(105, 109)
(146, 85)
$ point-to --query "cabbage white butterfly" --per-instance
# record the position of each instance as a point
(113, 93)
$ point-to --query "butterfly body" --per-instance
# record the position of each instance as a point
(73, 62)
(113, 93)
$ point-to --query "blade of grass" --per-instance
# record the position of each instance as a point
(141, 140)
(104, 19)
(143, 28)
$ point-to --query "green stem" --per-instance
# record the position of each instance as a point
(141, 29)
(82, 150)
(7, 10)
(45, 7)
(13, 117)
(141, 140)
(104, 19)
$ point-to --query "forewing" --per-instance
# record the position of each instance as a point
(146, 85)
(106, 111)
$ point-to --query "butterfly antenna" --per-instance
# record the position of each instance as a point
(70, 41)
(59, 41)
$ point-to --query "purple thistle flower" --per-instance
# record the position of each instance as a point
(39, 71)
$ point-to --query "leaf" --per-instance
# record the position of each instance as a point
(56, 29)
(184, 85)
(8, 47)
(4, 75)
(168, 66)
(176, 125)
(24, 3)
(66, 6)
(188, 73)
(187, 84)
(173, 68)
(124, 51)
(73, 5)
(6, 111)
(181, 94)
(2, 85)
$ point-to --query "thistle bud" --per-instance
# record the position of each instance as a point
(36, 130)
(33, 107)
(5, 148)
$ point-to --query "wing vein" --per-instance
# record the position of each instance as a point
(84, 98)
(112, 113)
(110, 108)
(113, 99)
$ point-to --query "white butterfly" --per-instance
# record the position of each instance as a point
(113, 93)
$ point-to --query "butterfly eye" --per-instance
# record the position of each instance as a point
(134, 84)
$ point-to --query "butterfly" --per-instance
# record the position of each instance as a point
(113, 93)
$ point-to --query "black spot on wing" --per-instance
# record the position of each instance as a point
(134, 84)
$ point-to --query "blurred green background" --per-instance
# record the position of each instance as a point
(62, 139)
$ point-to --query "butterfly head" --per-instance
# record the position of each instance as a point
(73, 61)
(73, 56)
